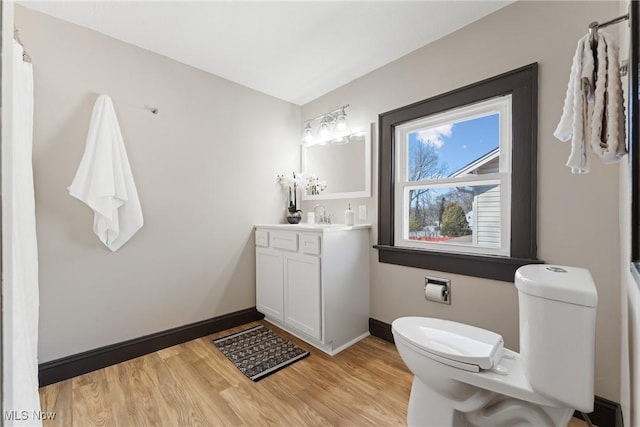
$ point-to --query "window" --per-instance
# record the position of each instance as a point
(452, 188)
(457, 183)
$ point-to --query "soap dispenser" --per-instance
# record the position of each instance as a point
(349, 216)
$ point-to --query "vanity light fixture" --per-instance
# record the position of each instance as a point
(332, 126)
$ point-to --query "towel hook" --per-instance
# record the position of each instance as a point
(154, 110)
(593, 32)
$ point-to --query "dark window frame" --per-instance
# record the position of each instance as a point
(522, 85)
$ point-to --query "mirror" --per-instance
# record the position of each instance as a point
(344, 165)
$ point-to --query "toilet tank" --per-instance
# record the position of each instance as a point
(557, 332)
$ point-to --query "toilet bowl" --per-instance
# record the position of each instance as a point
(463, 375)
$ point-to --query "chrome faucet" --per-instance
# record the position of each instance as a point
(322, 218)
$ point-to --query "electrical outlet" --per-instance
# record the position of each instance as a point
(362, 212)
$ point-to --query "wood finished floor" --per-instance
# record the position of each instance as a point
(193, 384)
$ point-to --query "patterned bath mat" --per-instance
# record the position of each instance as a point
(259, 351)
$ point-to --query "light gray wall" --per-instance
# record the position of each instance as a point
(205, 169)
(630, 295)
(577, 215)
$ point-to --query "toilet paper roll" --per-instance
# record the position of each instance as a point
(435, 292)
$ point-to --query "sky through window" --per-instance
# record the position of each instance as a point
(457, 144)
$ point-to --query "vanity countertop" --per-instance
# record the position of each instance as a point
(303, 226)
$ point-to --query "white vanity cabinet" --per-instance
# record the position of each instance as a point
(313, 281)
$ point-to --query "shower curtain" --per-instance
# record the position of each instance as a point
(22, 373)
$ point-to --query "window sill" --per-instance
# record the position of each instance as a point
(484, 266)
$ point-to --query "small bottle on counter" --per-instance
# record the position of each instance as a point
(349, 216)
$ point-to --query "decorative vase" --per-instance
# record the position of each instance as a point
(295, 217)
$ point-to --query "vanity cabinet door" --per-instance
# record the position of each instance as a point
(269, 283)
(302, 293)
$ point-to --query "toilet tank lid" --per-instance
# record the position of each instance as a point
(559, 283)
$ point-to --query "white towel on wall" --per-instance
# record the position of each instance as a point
(608, 136)
(104, 181)
(593, 113)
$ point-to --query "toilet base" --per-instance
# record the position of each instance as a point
(438, 412)
(483, 409)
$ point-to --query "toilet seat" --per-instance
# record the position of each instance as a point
(455, 344)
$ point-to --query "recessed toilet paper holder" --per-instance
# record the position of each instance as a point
(437, 289)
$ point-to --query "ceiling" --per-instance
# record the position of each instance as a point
(292, 50)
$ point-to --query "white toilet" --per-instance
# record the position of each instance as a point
(463, 376)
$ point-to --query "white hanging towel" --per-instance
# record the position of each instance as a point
(104, 181)
(593, 113)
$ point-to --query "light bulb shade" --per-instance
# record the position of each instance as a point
(324, 130)
(341, 121)
(307, 134)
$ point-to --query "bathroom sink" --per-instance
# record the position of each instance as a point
(304, 226)
(329, 227)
